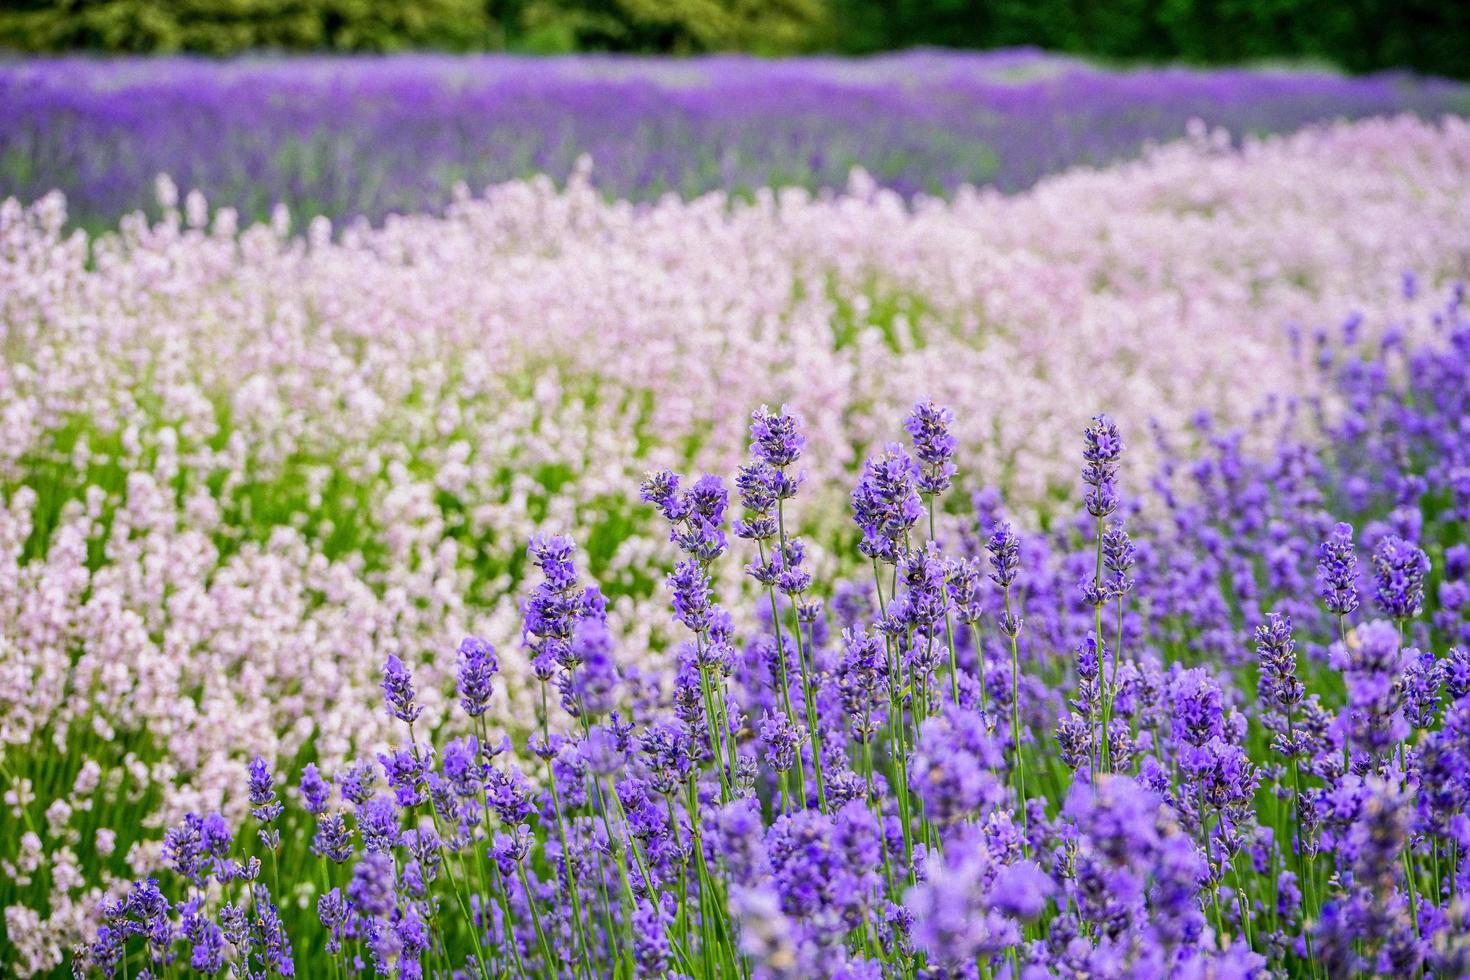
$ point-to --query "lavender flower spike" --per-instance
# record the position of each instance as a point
(398, 690)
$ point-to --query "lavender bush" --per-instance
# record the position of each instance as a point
(1200, 728)
(242, 468)
(349, 137)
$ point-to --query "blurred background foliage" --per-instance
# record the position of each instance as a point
(1430, 36)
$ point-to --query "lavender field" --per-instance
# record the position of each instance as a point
(370, 137)
(1041, 550)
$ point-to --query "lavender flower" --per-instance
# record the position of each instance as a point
(477, 669)
(886, 505)
(776, 438)
(953, 766)
(263, 803)
(398, 690)
(371, 891)
(651, 947)
(760, 486)
(1421, 683)
(862, 681)
(1398, 570)
(356, 782)
(1337, 578)
(928, 425)
(956, 918)
(315, 793)
(1102, 450)
(1276, 651)
(332, 840)
(1371, 662)
(1118, 559)
(781, 740)
(1005, 555)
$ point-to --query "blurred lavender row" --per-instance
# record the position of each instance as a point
(348, 137)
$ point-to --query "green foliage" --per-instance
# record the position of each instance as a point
(227, 26)
(1431, 36)
(670, 26)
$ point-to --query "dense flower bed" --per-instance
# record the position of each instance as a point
(1220, 737)
(345, 137)
(242, 470)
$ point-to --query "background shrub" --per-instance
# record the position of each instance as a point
(1431, 36)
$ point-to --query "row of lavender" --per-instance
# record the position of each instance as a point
(1207, 730)
(372, 137)
(240, 468)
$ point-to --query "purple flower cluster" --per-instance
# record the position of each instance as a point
(1249, 776)
(374, 136)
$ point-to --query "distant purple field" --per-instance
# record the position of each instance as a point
(372, 136)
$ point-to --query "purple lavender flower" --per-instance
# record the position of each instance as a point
(332, 912)
(738, 836)
(552, 554)
(858, 844)
(759, 485)
(956, 918)
(1119, 817)
(207, 946)
(825, 867)
(413, 939)
(1021, 890)
(921, 607)
(263, 803)
(1276, 652)
(372, 889)
(696, 518)
(928, 425)
(693, 600)
(477, 669)
(356, 782)
(1456, 562)
(378, 823)
(651, 948)
(404, 769)
(668, 751)
(554, 610)
(1199, 713)
(315, 793)
(862, 682)
(509, 795)
(1371, 663)
(661, 489)
(1421, 683)
(886, 505)
(953, 766)
(962, 582)
(1005, 555)
(1101, 452)
(461, 764)
(791, 579)
(781, 739)
(1118, 559)
(1456, 670)
(1337, 576)
(398, 690)
(332, 839)
(1075, 740)
(1398, 570)
(190, 847)
(776, 438)
(591, 691)
(275, 946)
(1459, 484)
